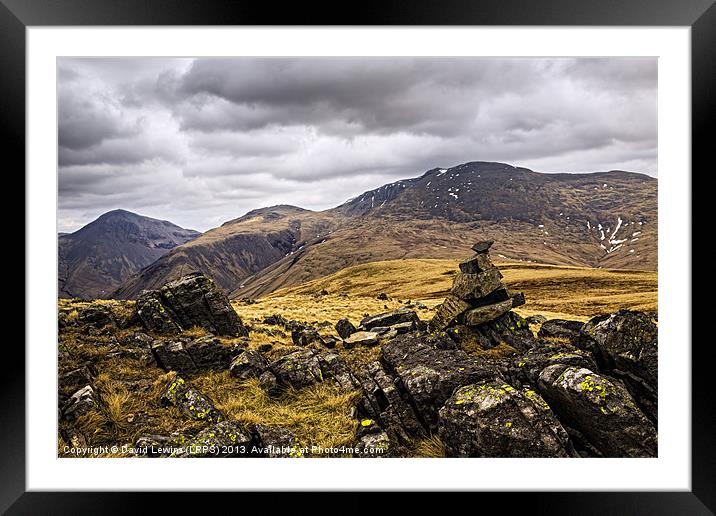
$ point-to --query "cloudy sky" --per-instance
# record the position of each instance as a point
(202, 141)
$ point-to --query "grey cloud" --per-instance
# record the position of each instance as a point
(200, 141)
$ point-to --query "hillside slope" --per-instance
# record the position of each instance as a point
(235, 250)
(605, 219)
(97, 258)
(596, 220)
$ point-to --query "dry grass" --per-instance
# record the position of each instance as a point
(553, 291)
(129, 389)
(430, 447)
(319, 415)
(129, 405)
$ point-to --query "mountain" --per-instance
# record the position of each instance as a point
(96, 259)
(602, 219)
(237, 249)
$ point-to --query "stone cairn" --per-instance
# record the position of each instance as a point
(478, 295)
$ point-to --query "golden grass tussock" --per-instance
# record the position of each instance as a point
(124, 413)
(196, 332)
(320, 415)
(429, 447)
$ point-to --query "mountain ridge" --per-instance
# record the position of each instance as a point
(562, 218)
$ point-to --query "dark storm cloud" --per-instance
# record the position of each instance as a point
(202, 141)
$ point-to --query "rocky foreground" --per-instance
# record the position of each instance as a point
(476, 377)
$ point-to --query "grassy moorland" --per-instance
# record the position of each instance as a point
(550, 290)
(129, 387)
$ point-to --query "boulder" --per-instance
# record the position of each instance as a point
(275, 320)
(249, 364)
(154, 315)
(329, 342)
(190, 401)
(71, 380)
(483, 246)
(527, 367)
(382, 402)
(602, 410)
(447, 313)
(475, 264)
(81, 402)
(192, 300)
(223, 439)
(561, 329)
(535, 319)
(518, 299)
(209, 353)
(361, 338)
(374, 445)
(160, 445)
(471, 287)
(483, 314)
(307, 367)
(275, 442)
(173, 356)
(96, 316)
(389, 318)
(383, 296)
(509, 328)
(345, 328)
(493, 419)
(305, 337)
(428, 375)
(626, 345)
(268, 382)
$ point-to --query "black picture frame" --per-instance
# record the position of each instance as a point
(17, 15)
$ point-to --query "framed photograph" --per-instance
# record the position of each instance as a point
(425, 249)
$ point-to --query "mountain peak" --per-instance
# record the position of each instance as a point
(269, 213)
(99, 256)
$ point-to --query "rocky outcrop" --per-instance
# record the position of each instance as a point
(276, 442)
(477, 296)
(223, 439)
(390, 319)
(373, 445)
(189, 356)
(249, 364)
(626, 345)
(561, 329)
(96, 316)
(384, 403)
(345, 328)
(190, 401)
(80, 403)
(429, 374)
(192, 300)
(375, 329)
(602, 410)
(493, 419)
(509, 328)
(361, 338)
(527, 367)
(307, 367)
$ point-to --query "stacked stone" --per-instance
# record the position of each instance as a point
(478, 294)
